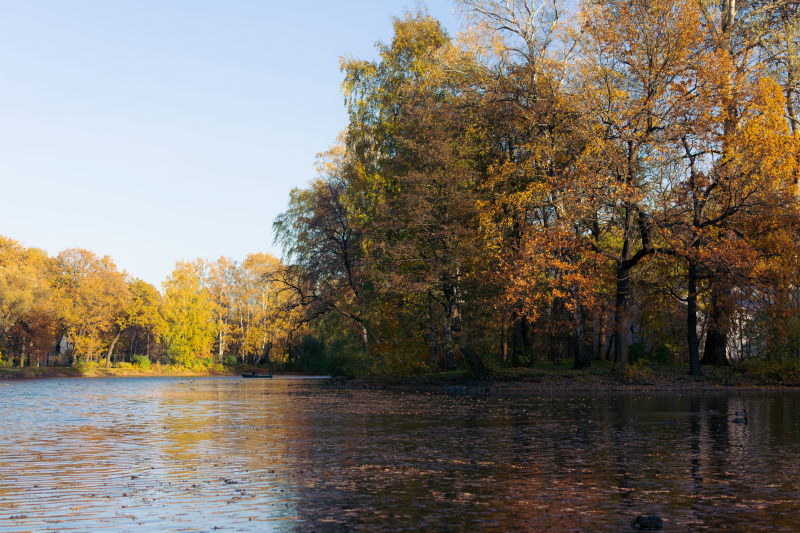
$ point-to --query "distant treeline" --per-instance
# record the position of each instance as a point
(77, 308)
(619, 182)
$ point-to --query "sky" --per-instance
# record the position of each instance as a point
(155, 131)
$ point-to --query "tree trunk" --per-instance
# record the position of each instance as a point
(555, 348)
(691, 321)
(452, 322)
(470, 355)
(221, 339)
(132, 347)
(601, 341)
(716, 348)
(504, 342)
(448, 341)
(622, 319)
(527, 339)
(582, 337)
(516, 339)
(581, 348)
(267, 350)
(466, 348)
(111, 348)
(432, 333)
(364, 337)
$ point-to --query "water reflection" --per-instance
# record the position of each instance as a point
(195, 455)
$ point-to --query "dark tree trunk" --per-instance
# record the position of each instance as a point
(267, 350)
(470, 355)
(451, 322)
(432, 333)
(601, 330)
(504, 342)
(582, 337)
(527, 339)
(555, 349)
(691, 321)
(516, 340)
(611, 345)
(448, 346)
(622, 318)
(583, 351)
(716, 348)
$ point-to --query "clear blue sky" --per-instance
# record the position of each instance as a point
(153, 131)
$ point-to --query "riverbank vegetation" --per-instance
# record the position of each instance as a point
(615, 183)
(78, 310)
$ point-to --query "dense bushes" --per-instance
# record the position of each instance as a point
(141, 361)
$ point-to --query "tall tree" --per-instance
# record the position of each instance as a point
(325, 263)
(188, 312)
(90, 295)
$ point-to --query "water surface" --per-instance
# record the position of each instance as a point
(179, 454)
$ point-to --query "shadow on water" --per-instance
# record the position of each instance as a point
(179, 454)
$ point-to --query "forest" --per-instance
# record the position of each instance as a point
(616, 182)
(79, 309)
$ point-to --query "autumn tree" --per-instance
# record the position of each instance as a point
(411, 188)
(142, 316)
(24, 294)
(188, 312)
(518, 67)
(90, 295)
(260, 306)
(324, 269)
(221, 281)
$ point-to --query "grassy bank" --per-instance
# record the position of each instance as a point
(99, 372)
(756, 374)
(602, 376)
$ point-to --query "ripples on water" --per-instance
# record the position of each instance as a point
(175, 454)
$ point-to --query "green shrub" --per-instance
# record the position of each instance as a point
(636, 351)
(310, 355)
(216, 368)
(4, 363)
(230, 360)
(772, 370)
(124, 365)
(141, 361)
(636, 373)
(663, 354)
(82, 365)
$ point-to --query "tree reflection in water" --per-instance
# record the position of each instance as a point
(164, 454)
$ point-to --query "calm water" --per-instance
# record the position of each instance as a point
(173, 454)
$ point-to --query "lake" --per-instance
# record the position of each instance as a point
(180, 454)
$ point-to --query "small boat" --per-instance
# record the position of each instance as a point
(257, 375)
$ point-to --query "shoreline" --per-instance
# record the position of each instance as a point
(598, 378)
(56, 372)
(539, 378)
(69, 372)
